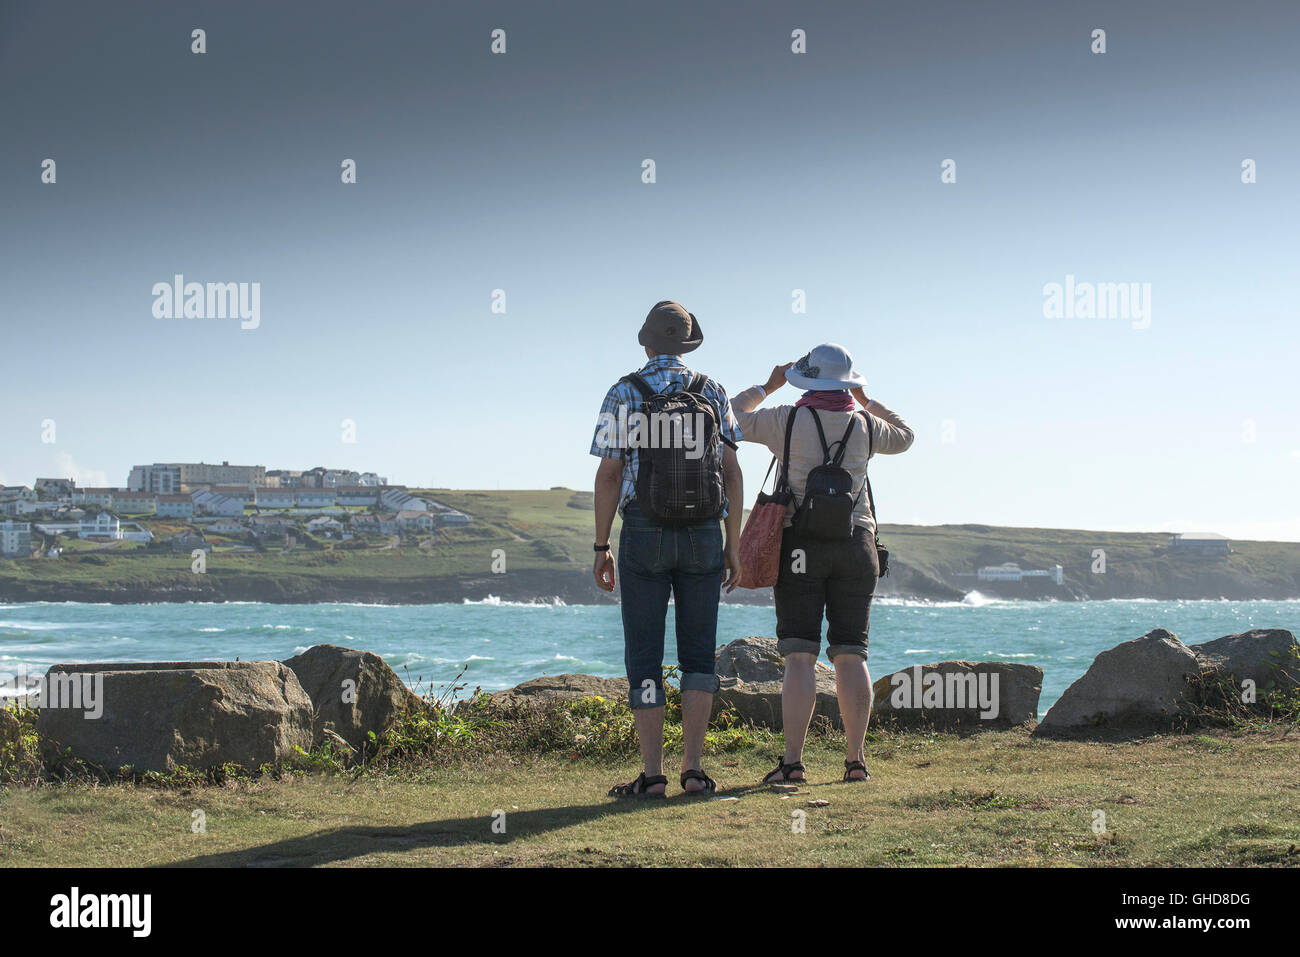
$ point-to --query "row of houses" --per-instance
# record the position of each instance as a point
(380, 523)
(224, 500)
(172, 478)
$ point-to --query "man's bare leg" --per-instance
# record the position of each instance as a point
(696, 708)
(650, 736)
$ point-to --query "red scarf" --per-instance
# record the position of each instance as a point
(834, 400)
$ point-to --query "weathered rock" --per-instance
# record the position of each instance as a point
(759, 702)
(963, 694)
(156, 716)
(1266, 656)
(750, 671)
(352, 692)
(551, 688)
(1139, 684)
(754, 659)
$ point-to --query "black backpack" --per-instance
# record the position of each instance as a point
(826, 511)
(672, 488)
(828, 503)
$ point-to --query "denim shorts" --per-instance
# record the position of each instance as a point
(835, 577)
(655, 562)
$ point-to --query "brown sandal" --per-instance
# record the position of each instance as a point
(784, 770)
(640, 788)
(851, 766)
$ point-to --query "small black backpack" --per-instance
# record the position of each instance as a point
(828, 503)
(672, 488)
(826, 511)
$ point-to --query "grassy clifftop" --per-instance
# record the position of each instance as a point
(543, 541)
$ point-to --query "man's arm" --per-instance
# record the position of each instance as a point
(735, 483)
(609, 482)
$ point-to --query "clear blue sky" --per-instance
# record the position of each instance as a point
(775, 171)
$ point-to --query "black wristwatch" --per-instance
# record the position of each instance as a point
(601, 548)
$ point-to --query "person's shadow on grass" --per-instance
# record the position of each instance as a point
(345, 843)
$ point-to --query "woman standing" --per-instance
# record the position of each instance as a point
(828, 549)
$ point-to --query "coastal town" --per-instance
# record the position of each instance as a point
(196, 505)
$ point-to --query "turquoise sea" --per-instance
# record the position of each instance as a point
(497, 644)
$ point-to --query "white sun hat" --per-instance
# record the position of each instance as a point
(826, 367)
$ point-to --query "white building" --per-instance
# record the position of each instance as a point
(159, 478)
(135, 503)
(274, 497)
(445, 515)
(236, 493)
(375, 524)
(102, 525)
(1006, 572)
(175, 506)
(95, 496)
(314, 498)
(55, 488)
(211, 503)
(399, 499)
(356, 495)
(325, 525)
(415, 521)
(1011, 572)
(134, 532)
(15, 539)
(1056, 573)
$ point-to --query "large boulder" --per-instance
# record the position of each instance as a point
(1141, 684)
(750, 671)
(1266, 656)
(959, 694)
(156, 716)
(352, 692)
(549, 689)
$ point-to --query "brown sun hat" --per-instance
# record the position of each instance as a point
(670, 328)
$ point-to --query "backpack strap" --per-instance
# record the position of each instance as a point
(821, 435)
(639, 383)
(843, 443)
(866, 470)
(783, 479)
(697, 385)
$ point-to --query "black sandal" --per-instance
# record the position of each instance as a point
(693, 774)
(784, 770)
(640, 787)
(851, 766)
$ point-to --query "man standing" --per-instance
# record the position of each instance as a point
(666, 440)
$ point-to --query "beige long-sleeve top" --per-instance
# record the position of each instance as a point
(889, 433)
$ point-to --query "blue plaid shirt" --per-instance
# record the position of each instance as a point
(659, 373)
